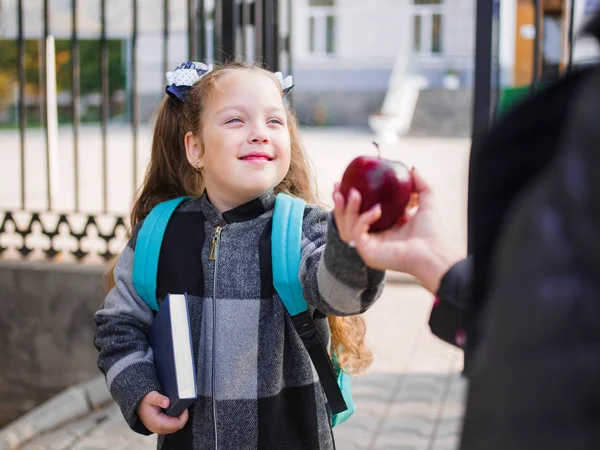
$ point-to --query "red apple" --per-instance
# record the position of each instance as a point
(382, 181)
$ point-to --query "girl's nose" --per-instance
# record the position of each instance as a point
(259, 138)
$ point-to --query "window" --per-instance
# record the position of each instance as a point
(321, 27)
(428, 26)
(417, 33)
(436, 33)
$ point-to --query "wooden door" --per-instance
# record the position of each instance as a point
(525, 36)
(524, 42)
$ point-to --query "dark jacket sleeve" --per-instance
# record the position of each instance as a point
(447, 315)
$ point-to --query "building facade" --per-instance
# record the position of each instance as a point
(345, 52)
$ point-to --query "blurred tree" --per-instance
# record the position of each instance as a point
(90, 66)
(89, 56)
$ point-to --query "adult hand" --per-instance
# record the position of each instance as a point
(414, 246)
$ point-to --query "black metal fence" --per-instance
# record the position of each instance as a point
(215, 31)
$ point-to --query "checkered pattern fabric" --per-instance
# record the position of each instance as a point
(251, 366)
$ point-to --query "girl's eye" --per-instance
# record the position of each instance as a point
(234, 120)
(277, 121)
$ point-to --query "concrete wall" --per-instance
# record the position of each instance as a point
(46, 331)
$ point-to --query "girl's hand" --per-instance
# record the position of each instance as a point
(347, 214)
(150, 413)
(415, 246)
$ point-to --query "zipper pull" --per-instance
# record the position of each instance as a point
(215, 243)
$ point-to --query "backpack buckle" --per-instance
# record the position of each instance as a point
(305, 326)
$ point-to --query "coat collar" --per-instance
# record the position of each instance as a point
(248, 211)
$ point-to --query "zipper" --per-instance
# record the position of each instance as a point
(215, 244)
(214, 254)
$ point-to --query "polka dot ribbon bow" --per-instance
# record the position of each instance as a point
(186, 75)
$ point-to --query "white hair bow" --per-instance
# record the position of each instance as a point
(287, 83)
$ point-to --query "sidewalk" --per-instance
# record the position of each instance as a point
(411, 398)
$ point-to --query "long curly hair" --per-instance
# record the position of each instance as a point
(170, 175)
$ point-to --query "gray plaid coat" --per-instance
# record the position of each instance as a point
(257, 386)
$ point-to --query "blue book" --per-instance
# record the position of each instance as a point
(171, 340)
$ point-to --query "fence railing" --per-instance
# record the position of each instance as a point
(88, 76)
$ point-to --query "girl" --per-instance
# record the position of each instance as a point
(229, 142)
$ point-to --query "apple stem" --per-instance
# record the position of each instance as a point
(378, 149)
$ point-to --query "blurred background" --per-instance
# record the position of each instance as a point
(79, 81)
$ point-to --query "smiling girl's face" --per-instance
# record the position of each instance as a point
(243, 149)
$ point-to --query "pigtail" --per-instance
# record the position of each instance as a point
(169, 174)
(348, 343)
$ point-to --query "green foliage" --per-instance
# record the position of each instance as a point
(89, 58)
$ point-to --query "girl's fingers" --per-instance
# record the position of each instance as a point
(338, 212)
(168, 424)
(339, 201)
(353, 205)
(183, 417)
(157, 399)
(369, 217)
(349, 215)
(364, 222)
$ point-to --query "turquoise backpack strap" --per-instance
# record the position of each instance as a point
(286, 248)
(345, 383)
(286, 251)
(147, 250)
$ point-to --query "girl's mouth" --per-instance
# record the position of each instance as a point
(260, 157)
